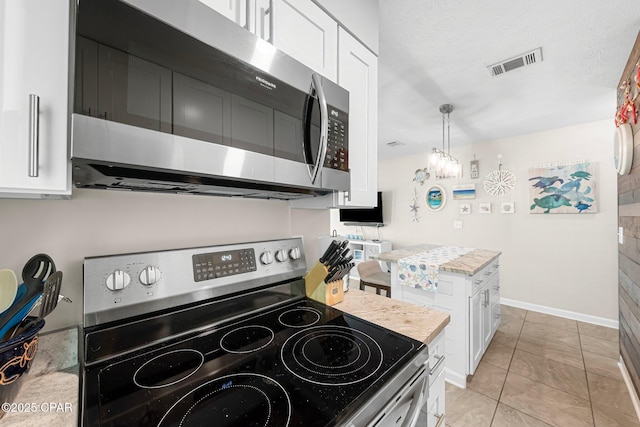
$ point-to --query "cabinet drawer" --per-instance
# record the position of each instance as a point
(483, 276)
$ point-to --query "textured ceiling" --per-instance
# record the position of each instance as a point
(434, 52)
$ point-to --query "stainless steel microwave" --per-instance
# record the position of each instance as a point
(173, 97)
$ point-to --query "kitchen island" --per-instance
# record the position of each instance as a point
(54, 374)
(463, 282)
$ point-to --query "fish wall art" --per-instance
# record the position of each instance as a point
(563, 188)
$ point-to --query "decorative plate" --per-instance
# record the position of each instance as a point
(623, 149)
(499, 182)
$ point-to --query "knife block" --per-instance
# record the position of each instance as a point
(317, 290)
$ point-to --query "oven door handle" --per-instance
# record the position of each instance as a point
(314, 167)
(416, 404)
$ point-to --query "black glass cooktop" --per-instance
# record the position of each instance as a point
(302, 364)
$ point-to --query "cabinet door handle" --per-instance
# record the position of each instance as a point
(438, 363)
(440, 419)
(34, 134)
(265, 12)
(247, 14)
(488, 273)
(486, 297)
(477, 281)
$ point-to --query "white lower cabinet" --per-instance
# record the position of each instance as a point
(433, 411)
(484, 307)
(473, 304)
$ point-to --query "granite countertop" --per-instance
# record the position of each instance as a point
(51, 387)
(417, 322)
(468, 264)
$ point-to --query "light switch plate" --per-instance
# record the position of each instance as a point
(457, 224)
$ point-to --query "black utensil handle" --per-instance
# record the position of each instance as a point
(329, 250)
(333, 260)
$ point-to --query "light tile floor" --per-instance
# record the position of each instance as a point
(542, 370)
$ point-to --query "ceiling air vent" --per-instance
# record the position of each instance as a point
(527, 58)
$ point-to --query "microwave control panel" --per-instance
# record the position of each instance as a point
(337, 146)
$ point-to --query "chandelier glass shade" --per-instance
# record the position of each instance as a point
(442, 163)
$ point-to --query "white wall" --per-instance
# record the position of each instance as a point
(566, 262)
(97, 222)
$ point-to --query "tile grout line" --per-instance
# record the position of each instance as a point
(508, 367)
(586, 377)
(509, 370)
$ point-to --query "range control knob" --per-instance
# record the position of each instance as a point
(266, 257)
(294, 253)
(150, 275)
(281, 255)
(118, 280)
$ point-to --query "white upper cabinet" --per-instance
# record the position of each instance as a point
(305, 32)
(34, 98)
(259, 19)
(358, 73)
(236, 10)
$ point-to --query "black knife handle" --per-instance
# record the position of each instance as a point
(332, 246)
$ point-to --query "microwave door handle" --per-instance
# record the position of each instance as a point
(316, 85)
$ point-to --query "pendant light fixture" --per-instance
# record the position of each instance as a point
(442, 163)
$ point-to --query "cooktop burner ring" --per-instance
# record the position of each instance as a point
(369, 356)
(329, 366)
(278, 403)
(316, 316)
(250, 346)
(186, 374)
(206, 396)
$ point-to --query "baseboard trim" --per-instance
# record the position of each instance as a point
(609, 323)
(630, 388)
(456, 379)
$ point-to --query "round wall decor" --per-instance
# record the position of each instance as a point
(499, 182)
(623, 148)
(436, 198)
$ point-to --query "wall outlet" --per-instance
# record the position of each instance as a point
(457, 224)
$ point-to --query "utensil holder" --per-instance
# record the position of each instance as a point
(16, 356)
(316, 289)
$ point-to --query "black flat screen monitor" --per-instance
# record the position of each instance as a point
(366, 215)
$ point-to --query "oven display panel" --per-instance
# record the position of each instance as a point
(221, 264)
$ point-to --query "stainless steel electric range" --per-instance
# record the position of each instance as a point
(224, 336)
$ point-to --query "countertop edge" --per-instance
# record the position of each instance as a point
(486, 255)
(491, 255)
(420, 323)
